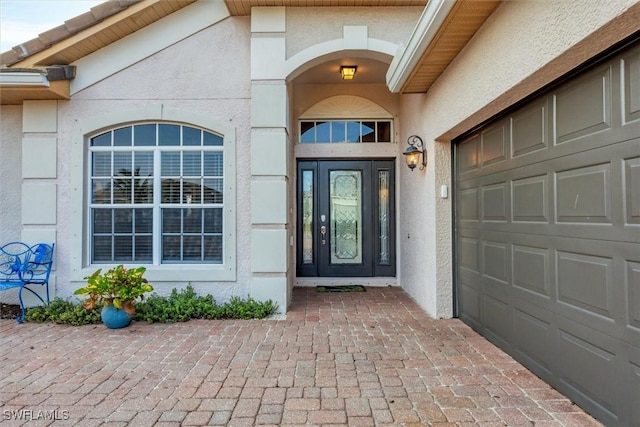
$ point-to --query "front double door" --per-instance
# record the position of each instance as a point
(346, 218)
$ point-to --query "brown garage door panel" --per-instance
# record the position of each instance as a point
(580, 116)
(592, 365)
(631, 189)
(600, 187)
(631, 280)
(535, 337)
(630, 65)
(573, 277)
(548, 236)
(632, 384)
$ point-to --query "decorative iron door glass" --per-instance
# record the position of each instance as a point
(345, 207)
(346, 218)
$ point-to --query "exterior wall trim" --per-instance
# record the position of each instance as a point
(316, 54)
(171, 273)
(146, 41)
(406, 60)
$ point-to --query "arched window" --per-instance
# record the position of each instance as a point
(156, 195)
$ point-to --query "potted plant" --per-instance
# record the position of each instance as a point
(117, 290)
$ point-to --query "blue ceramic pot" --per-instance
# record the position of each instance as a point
(115, 318)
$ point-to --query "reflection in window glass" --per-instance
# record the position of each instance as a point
(143, 221)
(307, 217)
(213, 165)
(170, 161)
(122, 137)
(307, 132)
(151, 159)
(101, 191)
(384, 131)
(339, 131)
(383, 217)
(191, 136)
(368, 131)
(103, 140)
(323, 132)
(354, 132)
(192, 163)
(144, 135)
(168, 134)
(189, 233)
(102, 164)
(121, 235)
(212, 140)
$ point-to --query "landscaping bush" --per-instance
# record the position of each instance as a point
(180, 306)
(63, 312)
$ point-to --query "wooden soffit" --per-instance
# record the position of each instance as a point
(243, 7)
(89, 32)
(464, 20)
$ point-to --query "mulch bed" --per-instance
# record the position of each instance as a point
(9, 311)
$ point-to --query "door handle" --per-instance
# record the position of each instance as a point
(323, 231)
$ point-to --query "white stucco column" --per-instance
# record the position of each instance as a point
(269, 158)
(39, 173)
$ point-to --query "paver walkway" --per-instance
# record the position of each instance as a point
(360, 359)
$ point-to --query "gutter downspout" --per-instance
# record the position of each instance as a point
(407, 58)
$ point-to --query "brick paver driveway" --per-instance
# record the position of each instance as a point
(361, 359)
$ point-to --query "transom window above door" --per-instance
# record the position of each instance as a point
(341, 131)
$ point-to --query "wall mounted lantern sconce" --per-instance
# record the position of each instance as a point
(348, 72)
(413, 152)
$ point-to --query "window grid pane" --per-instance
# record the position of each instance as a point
(121, 235)
(340, 131)
(191, 235)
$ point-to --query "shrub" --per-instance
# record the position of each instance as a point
(64, 312)
(180, 306)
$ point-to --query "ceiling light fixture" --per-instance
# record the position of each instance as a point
(348, 72)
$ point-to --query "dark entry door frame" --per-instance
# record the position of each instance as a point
(364, 246)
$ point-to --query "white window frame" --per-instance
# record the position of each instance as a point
(180, 272)
(356, 120)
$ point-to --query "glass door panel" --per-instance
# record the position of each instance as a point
(383, 217)
(345, 197)
(307, 216)
(346, 218)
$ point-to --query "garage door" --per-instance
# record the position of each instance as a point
(548, 236)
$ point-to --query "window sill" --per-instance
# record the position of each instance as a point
(170, 273)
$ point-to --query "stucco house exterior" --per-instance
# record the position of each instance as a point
(216, 143)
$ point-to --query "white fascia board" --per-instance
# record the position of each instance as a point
(22, 78)
(427, 27)
(146, 42)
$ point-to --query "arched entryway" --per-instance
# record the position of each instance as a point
(284, 87)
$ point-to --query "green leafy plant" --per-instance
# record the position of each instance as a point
(118, 286)
(179, 306)
(184, 305)
(63, 312)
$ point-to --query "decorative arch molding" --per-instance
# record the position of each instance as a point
(313, 55)
(346, 107)
(157, 112)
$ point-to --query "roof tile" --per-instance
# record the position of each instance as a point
(68, 29)
(53, 35)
